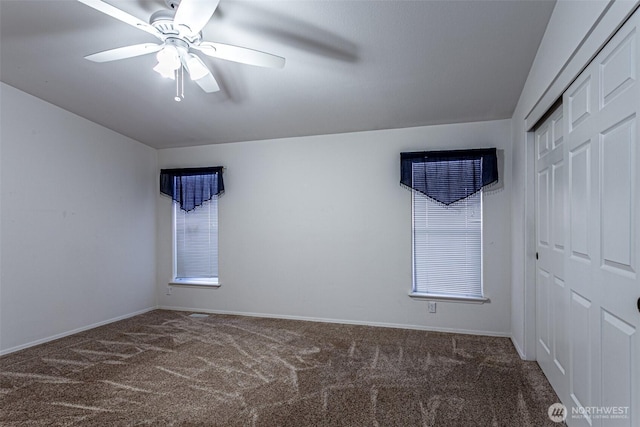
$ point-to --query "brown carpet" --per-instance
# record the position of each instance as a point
(165, 368)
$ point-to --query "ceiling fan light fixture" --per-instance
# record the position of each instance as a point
(164, 71)
(168, 61)
(197, 69)
(169, 57)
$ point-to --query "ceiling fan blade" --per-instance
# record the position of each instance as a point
(208, 83)
(194, 14)
(121, 15)
(240, 54)
(124, 52)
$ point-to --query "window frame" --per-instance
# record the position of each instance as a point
(213, 282)
(442, 297)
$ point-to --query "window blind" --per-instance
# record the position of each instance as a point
(447, 246)
(196, 234)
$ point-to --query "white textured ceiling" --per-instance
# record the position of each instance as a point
(351, 66)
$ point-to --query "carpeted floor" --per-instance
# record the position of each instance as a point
(165, 368)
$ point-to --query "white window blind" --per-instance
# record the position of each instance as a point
(196, 240)
(447, 247)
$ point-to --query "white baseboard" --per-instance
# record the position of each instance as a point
(518, 349)
(343, 321)
(74, 331)
(271, 316)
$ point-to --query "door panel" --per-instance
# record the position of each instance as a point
(542, 141)
(580, 200)
(618, 69)
(579, 103)
(557, 236)
(543, 208)
(560, 343)
(544, 318)
(617, 361)
(581, 382)
(618, 197)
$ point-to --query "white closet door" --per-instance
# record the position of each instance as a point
(552, 350)
(596, 365)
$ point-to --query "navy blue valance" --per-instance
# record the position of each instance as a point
(192, 187)
(449, 176)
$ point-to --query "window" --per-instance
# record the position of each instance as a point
(447, 248)
(195, 193)
(196, 244)
(447, 197)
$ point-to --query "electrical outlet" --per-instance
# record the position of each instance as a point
(431, 306)
(169, 290)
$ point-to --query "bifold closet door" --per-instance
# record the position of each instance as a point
(589, 209)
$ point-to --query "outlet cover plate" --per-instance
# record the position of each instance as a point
(431, 306)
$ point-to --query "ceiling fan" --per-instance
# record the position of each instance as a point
(179, 31)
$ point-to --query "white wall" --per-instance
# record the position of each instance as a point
(319, 227)
(575, 32)
(78, 222)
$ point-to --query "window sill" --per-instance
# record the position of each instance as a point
(449, 298)
(195, 282)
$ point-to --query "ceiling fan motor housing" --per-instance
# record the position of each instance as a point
(162, 21)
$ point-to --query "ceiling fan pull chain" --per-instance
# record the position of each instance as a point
(182, 81)
(177, 98)
(179, 78)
